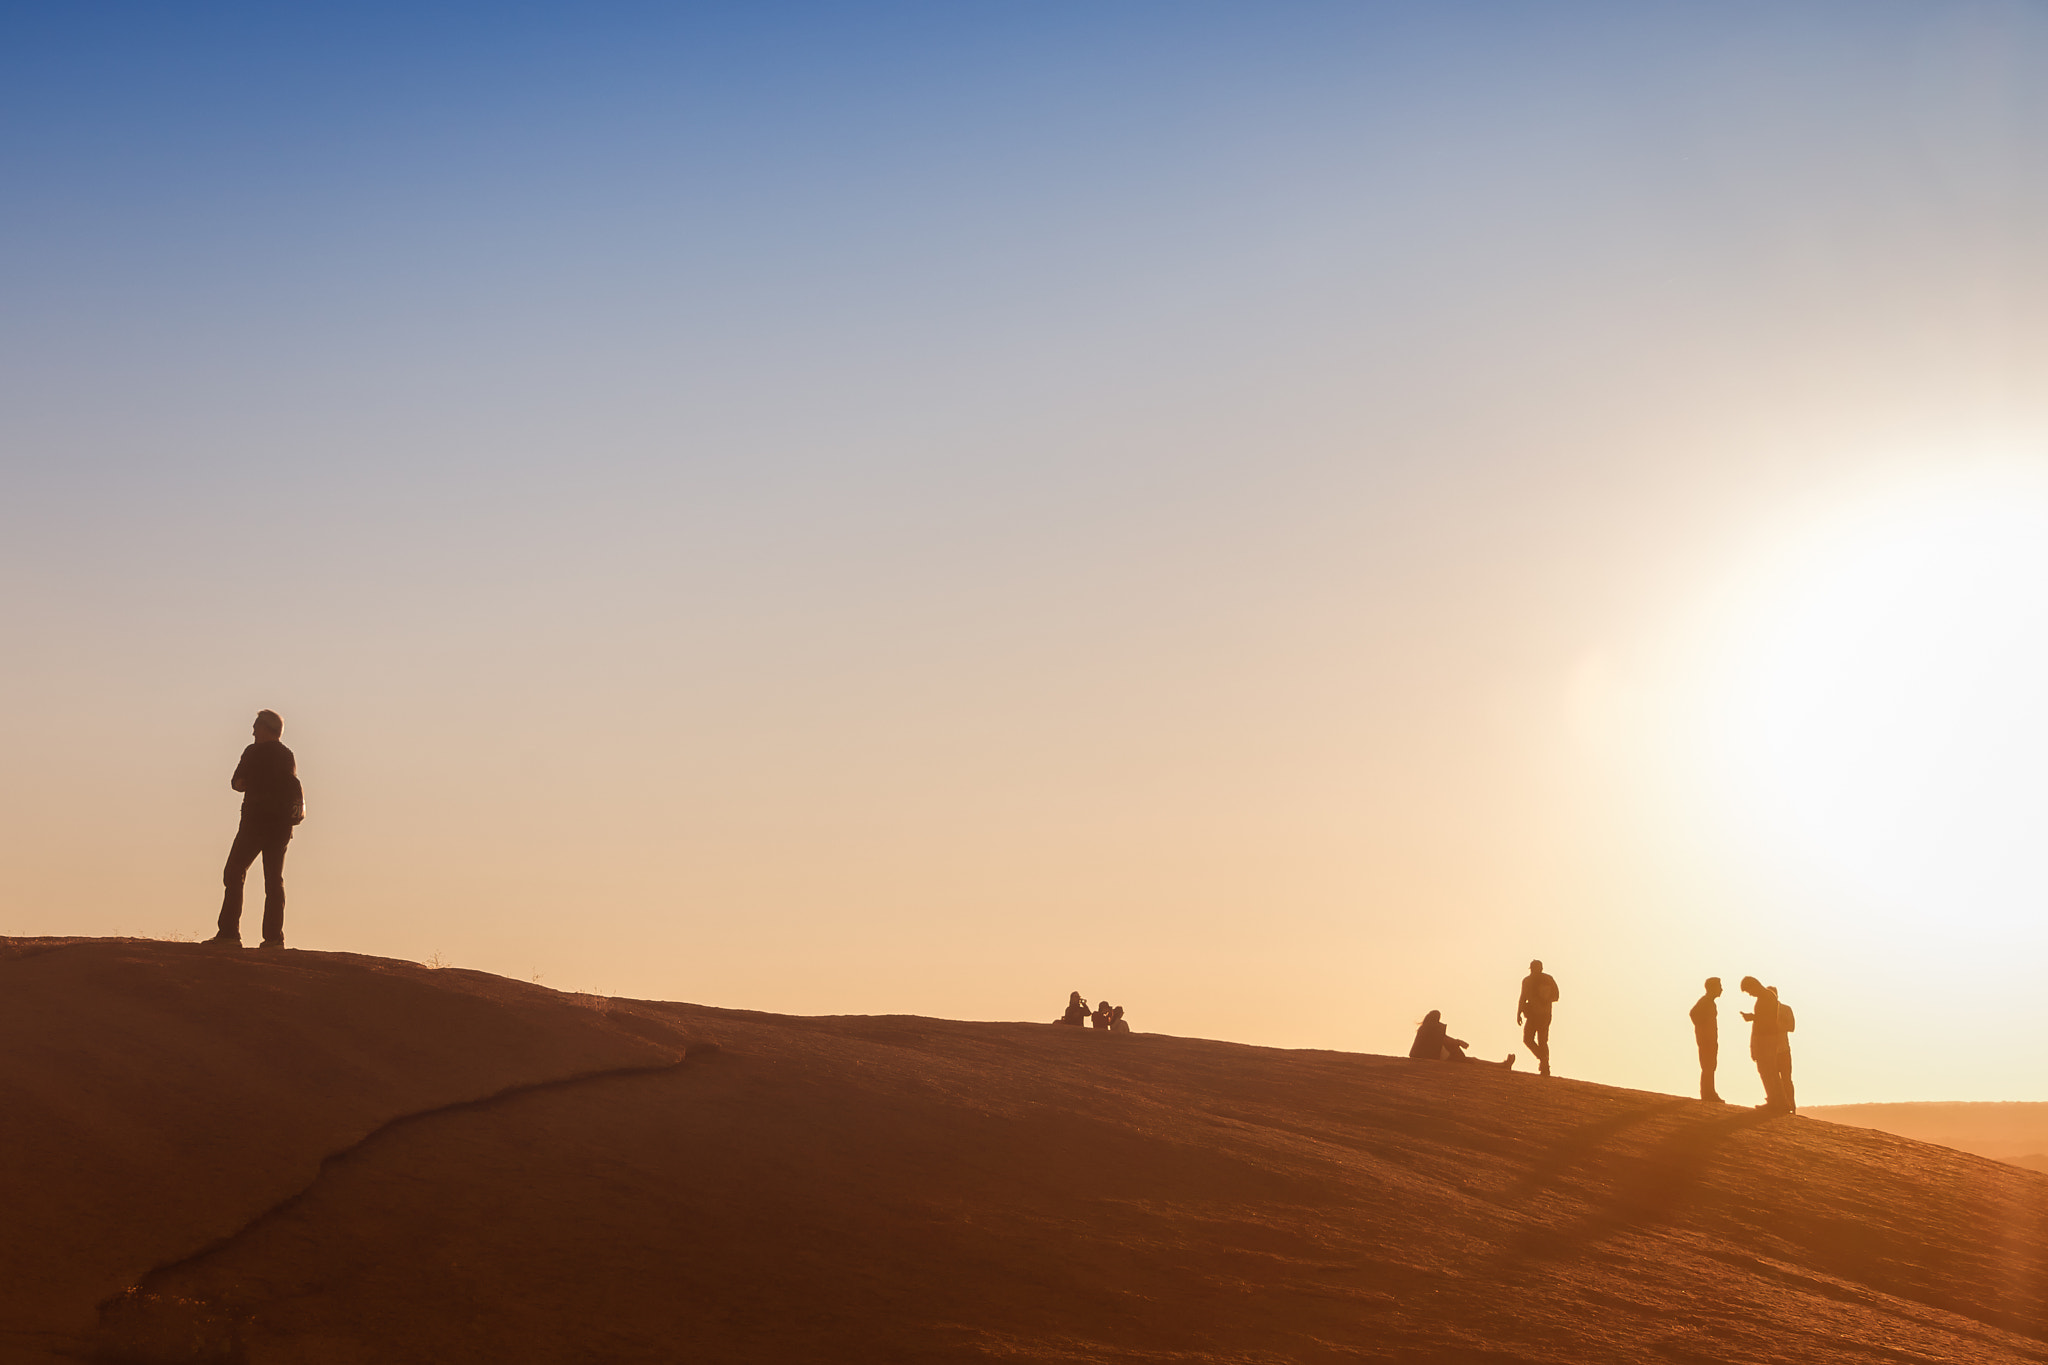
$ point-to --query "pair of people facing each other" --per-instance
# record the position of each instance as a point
(1771, 1023)
(1104, 1016)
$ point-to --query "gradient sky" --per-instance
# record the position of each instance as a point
(1275, 514)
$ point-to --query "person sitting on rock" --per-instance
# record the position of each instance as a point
(1116, 1021)
(1100, 1019)
(1077, 1010)
(1433, 1042)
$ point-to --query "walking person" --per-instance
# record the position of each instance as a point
(1532, 1012)
(272, 803)
(1769, 1048)
(1706, 1031)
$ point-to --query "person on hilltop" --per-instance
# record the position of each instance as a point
(1433, 1043)
(1782, 1060)
(1077, 1011)
(1706, 1032)
(1100, 1019)
(1116, 1021)
(1769, 1046)
(1532, 1012)
(273, 802)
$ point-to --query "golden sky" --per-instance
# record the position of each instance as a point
(1275, 519)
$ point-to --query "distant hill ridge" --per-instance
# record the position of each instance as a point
(249, 1158)
(2014, 1131)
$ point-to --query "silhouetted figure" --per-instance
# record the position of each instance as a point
(1786, 1024)
(1116, 1021)
(1077, 1011)
(272, 802)
(1532, 1012)
(1769, 1047)
(1433, 1043)
(1706, 1031)
(1100, 1019)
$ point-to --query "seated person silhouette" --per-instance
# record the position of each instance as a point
(1077, 1010)
(1100, 1019)
(1433, 1042)
(1116, 1021)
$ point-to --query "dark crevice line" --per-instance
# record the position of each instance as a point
(157, 1274)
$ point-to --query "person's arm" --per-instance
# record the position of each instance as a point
(240, 781)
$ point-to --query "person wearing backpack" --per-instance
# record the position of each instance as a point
(1769, 1046)
(1532, 1012)
(273, 802)
(1782, 1059)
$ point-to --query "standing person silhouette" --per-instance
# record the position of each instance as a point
(1532, 1012)
(272, 802)
(1706, 1031)
(1781, 1062)
(1769, 1048)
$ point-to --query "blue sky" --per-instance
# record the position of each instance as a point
(892, 506)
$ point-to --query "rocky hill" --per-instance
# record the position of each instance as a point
(321, 1159)
(2014, 1132)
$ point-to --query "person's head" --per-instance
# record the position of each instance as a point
(1535, 966)
(1713, 987)
(1432, 1016)
(1752, 986)
(1074, 999)
(1117, 1013)
(269, 725)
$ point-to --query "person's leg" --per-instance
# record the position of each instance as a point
(273, 884)
(1767, 1071)
(1785, 1098)
(248, 843)
(1536, 1037)
(1710, 1061)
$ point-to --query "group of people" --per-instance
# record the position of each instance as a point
(1771, 1023)
(1103, 1016)
(1433, 1041)
(1770, 1043)
(274, 802)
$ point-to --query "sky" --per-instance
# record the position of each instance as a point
(1275, 515)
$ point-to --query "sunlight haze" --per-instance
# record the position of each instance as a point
(1272, 515)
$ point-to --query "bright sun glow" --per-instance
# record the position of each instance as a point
(1883, 713)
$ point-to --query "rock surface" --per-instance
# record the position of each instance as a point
(322, 1159)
